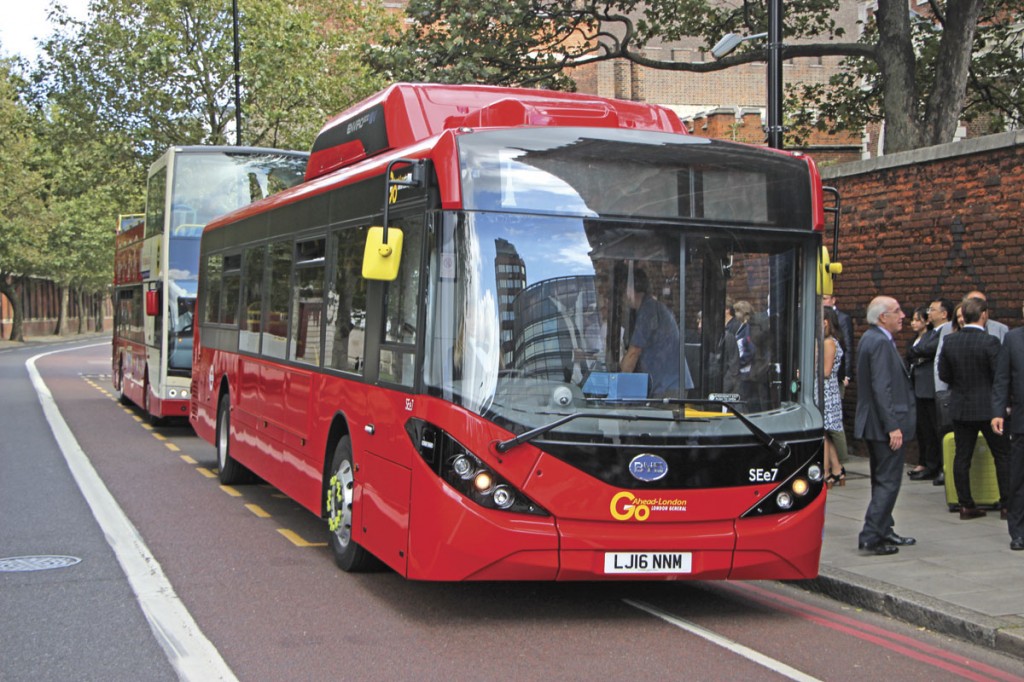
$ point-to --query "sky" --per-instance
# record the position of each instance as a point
(24, 21)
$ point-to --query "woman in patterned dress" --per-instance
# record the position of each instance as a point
(835, 473)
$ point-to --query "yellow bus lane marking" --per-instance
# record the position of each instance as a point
(258, 511)
(297, 540)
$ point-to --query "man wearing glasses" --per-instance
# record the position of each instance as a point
(886, 419)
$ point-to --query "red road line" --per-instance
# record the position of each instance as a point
(908, 646)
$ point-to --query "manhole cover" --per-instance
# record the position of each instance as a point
(36, 563)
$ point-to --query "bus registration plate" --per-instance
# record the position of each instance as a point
(648, 562)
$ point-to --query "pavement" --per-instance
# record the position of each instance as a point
(961, 578)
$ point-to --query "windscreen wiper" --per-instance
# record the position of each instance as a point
(779, 448)
(506, 445)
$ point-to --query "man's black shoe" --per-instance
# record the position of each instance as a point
(940, 479)
(1017, 543)
(878, 549)
(922, 475)
(899, 540)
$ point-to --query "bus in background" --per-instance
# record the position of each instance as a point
(470, 342)
(156, 263)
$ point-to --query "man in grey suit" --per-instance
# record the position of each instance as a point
(968, 365)
(1008, 391)
(886, 419)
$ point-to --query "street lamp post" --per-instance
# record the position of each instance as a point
(775, 74)
(238, 74)
(730, 41)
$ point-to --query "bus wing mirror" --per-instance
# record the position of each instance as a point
(826, 271)
(152, 302)
(383, 254)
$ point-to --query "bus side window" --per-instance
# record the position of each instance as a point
(252, 299)
(307, 300)
(401, 307)
(346, 302)
(232, 281)
(275, 326)
(213, 272)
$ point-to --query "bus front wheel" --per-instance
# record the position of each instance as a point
(119, 385)
(229, 470)
(147, 407)
(347, 553)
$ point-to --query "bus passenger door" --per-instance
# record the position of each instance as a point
(393, 323)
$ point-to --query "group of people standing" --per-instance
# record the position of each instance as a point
(981, 365)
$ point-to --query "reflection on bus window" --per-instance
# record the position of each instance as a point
(346, 303)
(398, 351)
(275, 327)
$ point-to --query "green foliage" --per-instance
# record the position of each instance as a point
(113, 91)
(912, 74)
(23, 215)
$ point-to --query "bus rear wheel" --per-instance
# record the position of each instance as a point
(349, 556)
(229, 470)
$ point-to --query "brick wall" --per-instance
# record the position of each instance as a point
(935, 222)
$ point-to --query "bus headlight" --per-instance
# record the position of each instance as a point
(465, 472)
(463, 467)
(503, 497)
(483, 482)
(799, 489)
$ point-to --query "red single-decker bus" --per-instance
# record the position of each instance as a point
(486, 340)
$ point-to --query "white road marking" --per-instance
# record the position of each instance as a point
(724, 642)
(193, 655)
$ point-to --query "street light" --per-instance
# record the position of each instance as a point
(730, 41)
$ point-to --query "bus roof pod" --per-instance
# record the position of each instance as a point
(406, 113)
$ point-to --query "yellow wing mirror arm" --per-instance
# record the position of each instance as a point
(826, 271)
(383, 252)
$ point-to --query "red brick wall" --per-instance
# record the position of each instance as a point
(933, 223)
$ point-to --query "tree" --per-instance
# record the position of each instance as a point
(114, 90)
(162, 70)
(23, 216)
(915, 75)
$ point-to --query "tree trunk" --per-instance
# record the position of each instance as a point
(949, 92)
(60, 329)
(899, 86)
(12, 290)
(82, 312)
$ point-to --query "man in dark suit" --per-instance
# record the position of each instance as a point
(968, 364)
(886, 419)
(1008, 391)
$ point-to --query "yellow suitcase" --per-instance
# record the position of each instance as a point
(984, 484)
